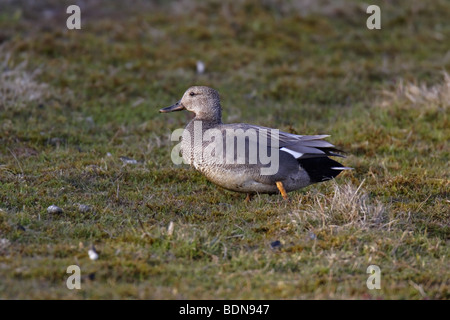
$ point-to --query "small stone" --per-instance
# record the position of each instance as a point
(54, 209)
(275, 244)
(200, 67)
(84, 208)
(93, 255)
(170, 228)
(4, 243)
(127, 160)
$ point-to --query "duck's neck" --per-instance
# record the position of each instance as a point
(214, 117)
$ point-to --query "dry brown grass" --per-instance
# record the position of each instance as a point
(413, 95)
(18, 87)
(349, 206)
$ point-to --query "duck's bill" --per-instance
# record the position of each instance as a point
(176, 107)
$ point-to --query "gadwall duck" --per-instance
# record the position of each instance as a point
(263, 160)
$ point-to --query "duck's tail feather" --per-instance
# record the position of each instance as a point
(321, 168)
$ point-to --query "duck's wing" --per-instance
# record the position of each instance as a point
(299, 146)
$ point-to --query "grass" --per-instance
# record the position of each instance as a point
(72, 103)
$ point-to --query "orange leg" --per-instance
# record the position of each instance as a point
(249, 197)
(282, 190)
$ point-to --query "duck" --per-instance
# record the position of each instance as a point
(249, 158)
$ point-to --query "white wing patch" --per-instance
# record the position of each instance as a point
(292, 152)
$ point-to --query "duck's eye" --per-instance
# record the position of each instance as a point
(192, 93)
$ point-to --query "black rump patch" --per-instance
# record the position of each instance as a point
(319, 169)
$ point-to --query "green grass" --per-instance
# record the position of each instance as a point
(73, 102)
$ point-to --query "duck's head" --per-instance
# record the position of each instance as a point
(203, 101)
